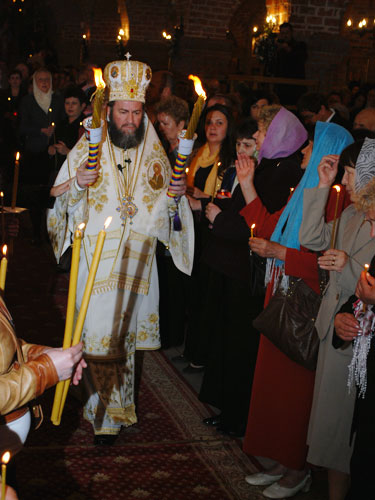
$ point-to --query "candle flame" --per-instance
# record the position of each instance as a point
(252, 226)
(198, 86)
(5, 249)
(53, 124)
(107, 222)
(187, 170)
(349, 22)
(2, 194)
(84, 37)
(5, 458)
(121, 32)
(81, 226)
(338, 189)
(49, 110)
(18, 155)
(291, 190)
(366, 266)
(255, 29)
(99, 82)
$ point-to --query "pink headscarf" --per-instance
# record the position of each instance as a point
(284, 136)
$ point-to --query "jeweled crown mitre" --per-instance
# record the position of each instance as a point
(127, 80)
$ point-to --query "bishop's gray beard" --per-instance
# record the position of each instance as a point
(125, 140)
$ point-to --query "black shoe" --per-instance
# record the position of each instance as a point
(179, 359)
(212, 421)
(235, 433)
(104, 439)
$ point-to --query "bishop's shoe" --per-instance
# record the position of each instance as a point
(104, 439)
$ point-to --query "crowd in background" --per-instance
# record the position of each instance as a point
(255, 162)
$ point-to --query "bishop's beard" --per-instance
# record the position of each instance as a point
(126, 140)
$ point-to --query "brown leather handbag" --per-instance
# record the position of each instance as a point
(288, 321)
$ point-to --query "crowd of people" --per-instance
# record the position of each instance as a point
(259, 214)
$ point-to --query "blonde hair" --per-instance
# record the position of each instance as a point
(268, 113)
(364, 200)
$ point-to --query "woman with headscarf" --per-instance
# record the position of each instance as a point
(232, 341)
(39, 112)
(282, 389)
(332, 407)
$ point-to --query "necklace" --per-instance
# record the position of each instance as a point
(127, 209)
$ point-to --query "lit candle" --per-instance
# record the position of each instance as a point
(3, 269)
(69, 313)
(4, 460)
(252, 231)
(54, 133)
(98, 98)
(49, 116)
(2, 217)
(198, 107)
(366, 268)
(15, 180)
(334, 227)
(85, 303)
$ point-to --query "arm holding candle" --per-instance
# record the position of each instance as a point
(42, 368)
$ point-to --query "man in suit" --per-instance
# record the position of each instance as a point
(313, 107)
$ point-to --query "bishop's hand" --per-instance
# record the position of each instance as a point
(86, 177)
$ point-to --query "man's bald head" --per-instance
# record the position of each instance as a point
(365, 119)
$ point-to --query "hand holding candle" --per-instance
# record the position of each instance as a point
(334, 227)
(4, 461)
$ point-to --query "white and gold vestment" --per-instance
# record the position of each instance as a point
(123, 312)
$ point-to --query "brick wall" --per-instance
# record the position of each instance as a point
(206, 47)
(323, 16)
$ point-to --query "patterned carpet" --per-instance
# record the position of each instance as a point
(168, 455)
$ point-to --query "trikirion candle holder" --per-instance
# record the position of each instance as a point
(94, 136)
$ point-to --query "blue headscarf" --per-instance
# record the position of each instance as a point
(329, 138)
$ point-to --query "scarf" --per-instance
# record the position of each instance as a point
(329, 138)
(361, 347)
(365, 165)
(204, 159)
(43, 99)
(284, 136)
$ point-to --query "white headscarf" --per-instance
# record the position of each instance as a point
(42, 98)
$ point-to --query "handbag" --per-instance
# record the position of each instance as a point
(288, 321)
